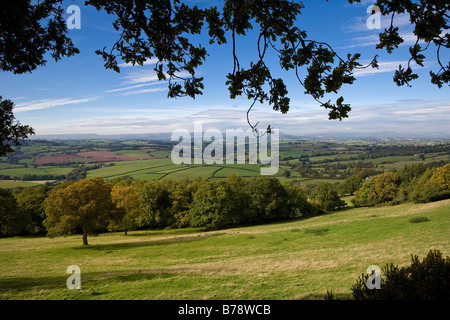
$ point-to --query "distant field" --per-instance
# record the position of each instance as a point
(10, 184)
(129, 167)
(133, 153)
(298, 259)
(128, 159)
(192, 173)
(167, 169)
(42, 170)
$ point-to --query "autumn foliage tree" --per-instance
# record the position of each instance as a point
(127, 200)
(381, 188)
(85, 205)
(442, 177)
(433, 185)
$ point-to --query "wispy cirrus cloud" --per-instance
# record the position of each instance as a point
(386, 66)
(407, 116)
(132, 87)
(409, 39)
(50, 103)
(146, 63)
(141, 78)
(142, 91)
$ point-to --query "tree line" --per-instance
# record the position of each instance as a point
(93, 205)
(418, 183)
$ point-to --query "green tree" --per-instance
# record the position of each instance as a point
(12, 220)
(31, 201)
(180, 197)
(127, 200)
(433, 185)
(441, 176)
(240, 197)
(430, 20)
(213, 206)
(409, 176)
(424, 191)
(410, 173)
(286, 173)
(351, 184)
(11, 131)
(29, 31)
(381, 188)
(85, 204)
(156, 203)
(297, 200)
(326, 194)
(267, 199)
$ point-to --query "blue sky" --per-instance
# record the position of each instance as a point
(78, 95)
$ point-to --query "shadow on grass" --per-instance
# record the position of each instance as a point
(315, 296)
(163, 232)
(144, 243)
(32, 288)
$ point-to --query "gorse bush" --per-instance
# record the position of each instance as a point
(428, 279)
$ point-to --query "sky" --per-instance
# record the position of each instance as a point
(77, 95)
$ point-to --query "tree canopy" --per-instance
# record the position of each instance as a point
(28, 31)
(160, 29)
(11, 131)
(85, 204)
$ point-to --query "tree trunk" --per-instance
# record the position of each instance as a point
(126, 233)
(85, 242)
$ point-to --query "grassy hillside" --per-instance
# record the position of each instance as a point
(299, 259)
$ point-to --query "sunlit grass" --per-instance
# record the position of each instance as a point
(299, 259)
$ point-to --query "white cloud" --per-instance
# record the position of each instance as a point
(140, 77)
(132, 87)
(142, 91)
(50, 103)
(387, 66)
(359, 24)
(402, 116)
(147, 76)
(146, 63)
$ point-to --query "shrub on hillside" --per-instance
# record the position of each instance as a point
(428, 279)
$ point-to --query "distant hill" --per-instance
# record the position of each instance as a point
(283, 136)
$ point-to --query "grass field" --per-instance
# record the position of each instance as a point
(322, 157)
(298, 259)
(17, 184)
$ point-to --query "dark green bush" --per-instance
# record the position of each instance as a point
(428, 279)
(317, 231)
(418, 219)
